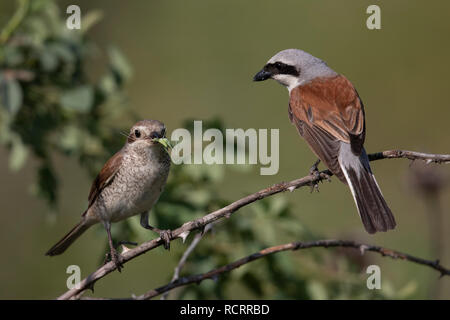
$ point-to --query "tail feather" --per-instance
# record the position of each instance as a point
(68, 239)
(373, 209)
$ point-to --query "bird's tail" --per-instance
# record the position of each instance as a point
(69, 238)
(373, 209)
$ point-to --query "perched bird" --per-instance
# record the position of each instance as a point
(129, 183)
(329, 115)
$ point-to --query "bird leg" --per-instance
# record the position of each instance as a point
(131, 243)
(115, 257)
(314, 171)
(118, 244)
(319, 176)
(165, 235)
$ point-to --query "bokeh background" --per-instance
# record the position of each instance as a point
(196, 60)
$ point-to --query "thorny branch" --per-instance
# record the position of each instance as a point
(186, 255)
(200, 223)
(213, 274)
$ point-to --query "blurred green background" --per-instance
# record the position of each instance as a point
(196, 60)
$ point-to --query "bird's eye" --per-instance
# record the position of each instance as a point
(137, 133)
(278, 65)
(154, 135)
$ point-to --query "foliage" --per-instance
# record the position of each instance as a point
(49, 102)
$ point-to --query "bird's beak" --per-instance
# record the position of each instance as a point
(262, 75)
(164, 142)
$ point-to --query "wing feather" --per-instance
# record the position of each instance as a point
(327, 111)
(106, 176)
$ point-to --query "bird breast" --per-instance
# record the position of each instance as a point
(136, 186)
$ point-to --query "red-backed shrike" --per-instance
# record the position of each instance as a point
(329, 115)
(129, 183)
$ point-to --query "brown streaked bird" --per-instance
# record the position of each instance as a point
(129, 183)
(329, 115)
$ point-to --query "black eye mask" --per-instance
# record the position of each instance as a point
(281, 68)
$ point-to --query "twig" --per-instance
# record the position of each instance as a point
(213, 274)
(187, 227)
(186, 255)
(411, 155)
(15, 21)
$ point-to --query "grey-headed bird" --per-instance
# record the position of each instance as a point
(329, 115)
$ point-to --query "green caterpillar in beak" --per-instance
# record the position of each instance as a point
(164, 142)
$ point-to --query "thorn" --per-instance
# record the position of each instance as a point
(291, 189)
(106, 260)
(184, 235)
(125, 249)
(121, 244)
(362, 249)
(205, 229)
(429, 161)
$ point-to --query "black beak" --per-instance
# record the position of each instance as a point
(262, 75)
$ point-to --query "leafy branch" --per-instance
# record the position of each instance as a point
(49, 100)
(200, 223)
(15, 20)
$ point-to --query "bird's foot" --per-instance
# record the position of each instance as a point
(115, 257)
(314, 171)
(325, 176)
(166, 235)
(123, 242)
(314, 186)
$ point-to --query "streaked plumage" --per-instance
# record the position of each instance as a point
(129, 183)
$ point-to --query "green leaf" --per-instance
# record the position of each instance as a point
(407, 291)
(11, 95)
(107, 84)
(78, 99)
(317, 290)
(18, 154)
(37, 29)
(90, 19)
(197, 197)
(213, 173)
(119, 64)
(38, 4)
(62, 51)
(13, 56)
(69, 139)
(48, 60)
